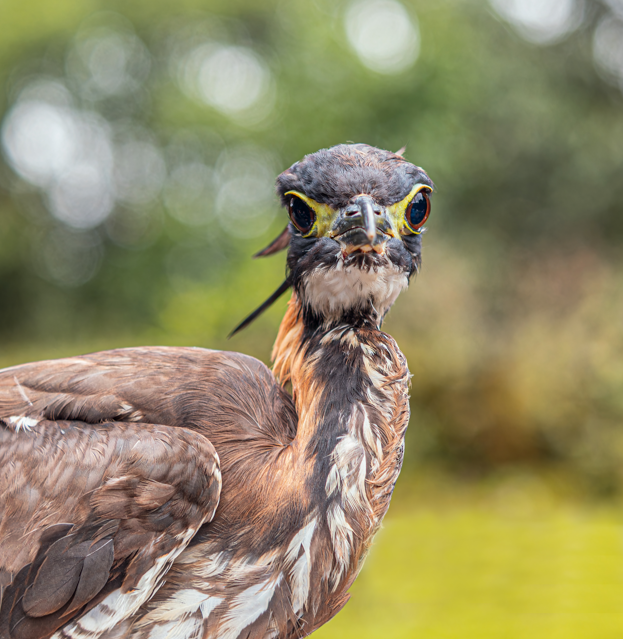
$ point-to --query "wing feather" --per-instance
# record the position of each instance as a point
(116, 449)
(72, 546)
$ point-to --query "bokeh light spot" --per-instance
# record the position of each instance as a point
(66, 152)
(385, 37)
(82, 197)
(39, 140)
(541, 21)
(105, 62)
(608, 49)
(232, 79)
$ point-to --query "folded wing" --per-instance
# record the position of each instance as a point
(92, 515)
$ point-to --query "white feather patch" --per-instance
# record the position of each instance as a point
(190, 628)
(20, 422)
(208, 606)
(300, 578)
(349, 462)
(247, 607)
(212, 566)
(349, 338)
(342, 538)
(334, 481)
(333, 290)
(302, 539)
(377, 378)
(300, 571)
(179, 605)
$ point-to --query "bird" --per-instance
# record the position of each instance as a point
(187, 493)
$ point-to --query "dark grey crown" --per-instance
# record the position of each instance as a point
(333, 176)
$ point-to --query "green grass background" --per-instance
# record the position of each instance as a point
(514, 558)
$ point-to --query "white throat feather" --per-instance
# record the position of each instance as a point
(330, 291)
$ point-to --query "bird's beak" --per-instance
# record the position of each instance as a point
(363, 225)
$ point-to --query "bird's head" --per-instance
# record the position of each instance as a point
(356, 216)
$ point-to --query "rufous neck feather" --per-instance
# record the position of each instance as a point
(287, 351)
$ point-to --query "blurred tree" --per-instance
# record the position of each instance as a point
(129, 133)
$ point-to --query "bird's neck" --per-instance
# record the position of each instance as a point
(350, 388)
(304, 333)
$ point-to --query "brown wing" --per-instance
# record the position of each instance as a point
(224, 395)
(69, 430)
(124, 385)
(89, 512)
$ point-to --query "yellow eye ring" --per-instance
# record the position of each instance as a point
(418, 210)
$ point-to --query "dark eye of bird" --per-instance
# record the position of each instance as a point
(302, 216)
(418, 210)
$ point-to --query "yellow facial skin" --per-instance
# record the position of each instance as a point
(396, 212)
(325, 215)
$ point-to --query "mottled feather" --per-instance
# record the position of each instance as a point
(113, 524)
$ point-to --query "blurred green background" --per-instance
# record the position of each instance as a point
(140, 141)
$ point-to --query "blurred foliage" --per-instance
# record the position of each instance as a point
(140, 141)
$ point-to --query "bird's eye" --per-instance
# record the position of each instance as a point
(418, 210)
(302, 215)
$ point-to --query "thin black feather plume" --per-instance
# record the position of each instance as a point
(258, 311)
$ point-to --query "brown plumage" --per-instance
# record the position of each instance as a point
(182, 493)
